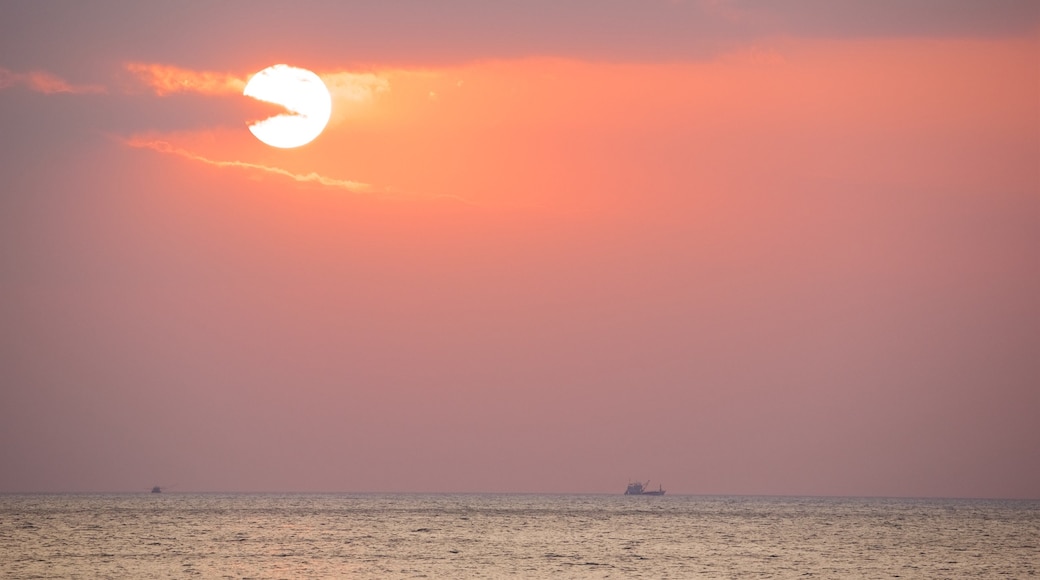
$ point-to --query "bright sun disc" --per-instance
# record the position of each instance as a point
(303, 95)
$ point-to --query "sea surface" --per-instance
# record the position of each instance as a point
(181, 535)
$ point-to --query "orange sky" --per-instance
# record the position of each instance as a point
(450, 130)
(800, 258)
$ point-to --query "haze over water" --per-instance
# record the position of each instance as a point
(374, 536)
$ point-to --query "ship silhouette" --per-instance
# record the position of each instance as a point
(638, 488)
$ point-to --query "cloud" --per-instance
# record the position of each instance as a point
(349, 90)
(885, 18)
(316, 178)
(44, 82)
(166, 79)
(355, 87)
(352, 91)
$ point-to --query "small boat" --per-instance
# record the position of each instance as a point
(638, 488)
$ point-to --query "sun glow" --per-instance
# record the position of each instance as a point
(305, 98)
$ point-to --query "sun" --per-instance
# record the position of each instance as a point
(305, 98)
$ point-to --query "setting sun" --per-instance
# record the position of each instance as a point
(305, 98)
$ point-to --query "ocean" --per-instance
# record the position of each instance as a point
(362, 536)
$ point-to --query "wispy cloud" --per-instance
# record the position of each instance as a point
(165, 80)
(356, 87)
(44, 82)
(352, 91)
(316, 178)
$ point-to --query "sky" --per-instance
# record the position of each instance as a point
(727, 246)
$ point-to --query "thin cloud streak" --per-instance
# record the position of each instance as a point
(350, 91)
(45, 82)
(359, 87)
(165, 147)
(312, 177)
(166, 79)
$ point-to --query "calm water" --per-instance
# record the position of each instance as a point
(512, 536)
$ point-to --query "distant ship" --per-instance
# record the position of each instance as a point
(157, 489)
(640, 489)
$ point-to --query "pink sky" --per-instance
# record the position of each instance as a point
(541, 247)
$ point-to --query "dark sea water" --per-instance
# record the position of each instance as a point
(180, 535)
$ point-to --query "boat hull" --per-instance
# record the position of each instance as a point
(639, 488)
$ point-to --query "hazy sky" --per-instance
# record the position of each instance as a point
(734, 247)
